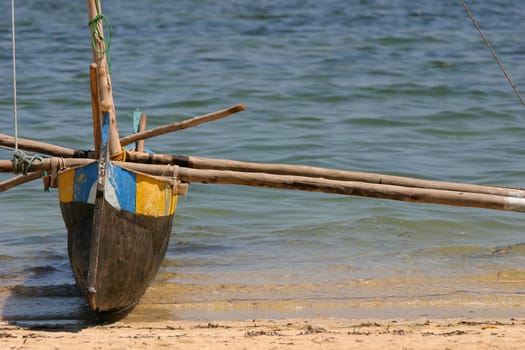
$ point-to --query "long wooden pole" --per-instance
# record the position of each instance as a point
(95, 106)
(19, 180)
(142, 126)
(315, 172)
(182, 125)
(37, 146)
(354, 188)
(303, 183)
(277, 169)
(6, 166)
(104, 80)
(58, 151)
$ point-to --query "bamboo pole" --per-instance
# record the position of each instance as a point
(303, 183)
(97, 129)
(315, 172)
(6, 166)
(142, 127)
(182, 125)
(277, 169)
(354, 188)
(19, 180)
(37, 146)
(59, 151)
(104, 80)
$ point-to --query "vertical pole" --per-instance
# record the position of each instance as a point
(142, 127)
(95, 105)
(104, 79)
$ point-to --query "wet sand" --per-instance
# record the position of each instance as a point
(463, 312)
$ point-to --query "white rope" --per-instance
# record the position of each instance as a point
(15, 113)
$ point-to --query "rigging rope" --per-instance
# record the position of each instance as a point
(97, 26)
(21, 161)
(13, 44)
(489, 46)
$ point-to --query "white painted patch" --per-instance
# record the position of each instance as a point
(92, 193)
(111, 195)
(516, 204)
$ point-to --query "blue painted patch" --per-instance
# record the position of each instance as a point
(136, 120)
(105, 133)
(120, 188)
(85, 179)
(124, 185)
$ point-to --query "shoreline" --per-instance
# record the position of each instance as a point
(469, 312)
(494, 295)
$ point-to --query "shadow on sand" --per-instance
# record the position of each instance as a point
(51, 307)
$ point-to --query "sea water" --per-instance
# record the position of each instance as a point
(394, 87)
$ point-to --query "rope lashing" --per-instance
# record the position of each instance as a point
(119, 157)
(178, 187)
(175, 180)
(57, 164)
(97, 26)
(22, 162)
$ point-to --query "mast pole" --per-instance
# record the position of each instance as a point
(104, 80)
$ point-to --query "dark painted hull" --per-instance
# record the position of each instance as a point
(131, 248)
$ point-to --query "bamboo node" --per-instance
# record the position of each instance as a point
(105, 106)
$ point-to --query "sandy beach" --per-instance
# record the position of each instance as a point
(276, 334)
(388, 314)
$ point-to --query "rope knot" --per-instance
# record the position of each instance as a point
(119, 157)
(23, 162)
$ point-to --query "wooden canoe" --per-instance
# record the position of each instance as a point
(119, 224)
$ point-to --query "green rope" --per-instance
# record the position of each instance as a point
(22, 162)
(97, 26)
(46, 187)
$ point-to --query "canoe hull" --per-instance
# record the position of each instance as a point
(118, 237)
(130, 254)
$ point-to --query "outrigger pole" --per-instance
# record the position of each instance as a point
(310, 179)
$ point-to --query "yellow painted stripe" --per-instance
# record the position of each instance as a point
(173, 203)
(154, 197)
(65, 185)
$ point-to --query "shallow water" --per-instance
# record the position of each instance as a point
(382, 86)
